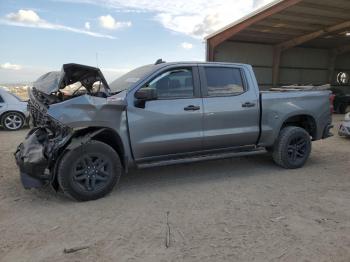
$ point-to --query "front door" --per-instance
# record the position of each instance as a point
(171, 124)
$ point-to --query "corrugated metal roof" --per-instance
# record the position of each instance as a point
(279, 22)
(257, 11)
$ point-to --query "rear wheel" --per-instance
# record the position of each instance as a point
(293, 147)
(90, 171)
(12, 121)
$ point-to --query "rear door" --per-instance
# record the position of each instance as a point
(172, 124)
(231, 109)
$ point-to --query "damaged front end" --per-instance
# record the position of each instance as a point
(36, 157)
(37, 154)
(61, 105)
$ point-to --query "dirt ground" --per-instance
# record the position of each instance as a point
(243, 209)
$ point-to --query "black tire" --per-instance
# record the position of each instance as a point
(342, 108)
(12, 121)
(292, 148)
(89, 172)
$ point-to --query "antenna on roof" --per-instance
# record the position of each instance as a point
(159, 61)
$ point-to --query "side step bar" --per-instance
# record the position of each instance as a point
(199, 158)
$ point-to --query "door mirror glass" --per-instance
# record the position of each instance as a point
(343, 78)
(146, 94)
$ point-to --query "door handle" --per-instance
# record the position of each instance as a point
(248, 104)
(191, 108)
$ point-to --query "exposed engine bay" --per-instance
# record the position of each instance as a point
(73, 80)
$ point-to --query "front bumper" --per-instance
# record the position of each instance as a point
(344, 129)
(29, 181)
(31, 160)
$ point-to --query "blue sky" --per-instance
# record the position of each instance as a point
(40, 36)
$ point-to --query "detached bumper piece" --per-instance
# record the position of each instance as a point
(344, 130)
(31, 160)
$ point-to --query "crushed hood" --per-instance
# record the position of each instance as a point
(71, 73)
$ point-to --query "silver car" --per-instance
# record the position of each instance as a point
(13, 111)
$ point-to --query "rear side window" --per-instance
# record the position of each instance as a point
(224, 81)
(176, 83)
(1, 100)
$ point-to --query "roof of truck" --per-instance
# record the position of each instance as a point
(197, 63)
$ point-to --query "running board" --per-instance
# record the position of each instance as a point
(200, 158)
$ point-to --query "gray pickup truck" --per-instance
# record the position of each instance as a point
(87, 133)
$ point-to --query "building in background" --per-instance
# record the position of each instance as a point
(289, 42)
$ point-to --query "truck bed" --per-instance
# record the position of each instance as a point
(276, 107)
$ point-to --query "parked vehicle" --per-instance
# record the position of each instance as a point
(161, 114)
(344, 128)
(13, 111)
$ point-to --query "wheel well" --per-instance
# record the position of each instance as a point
(304, 121)
(105, 135)
(112, 139)
(13, 111)
(108, 136)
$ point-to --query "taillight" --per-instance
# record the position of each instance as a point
(331, 102)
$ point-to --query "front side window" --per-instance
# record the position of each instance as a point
(176, 83)
(224, 81)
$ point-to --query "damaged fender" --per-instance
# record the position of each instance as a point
(37, 156)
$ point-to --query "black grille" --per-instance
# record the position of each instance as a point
(40, 118)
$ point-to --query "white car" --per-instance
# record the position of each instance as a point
(344, 129)
(13, 111)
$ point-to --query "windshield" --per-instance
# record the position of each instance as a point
(130, 79)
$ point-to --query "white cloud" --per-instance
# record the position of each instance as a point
(10, 66)
(29, 18)
(108, 22)
(186, 45)
(24, 16)
(87, 25)
(196, 18)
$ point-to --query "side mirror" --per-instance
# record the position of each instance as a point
(146, 94)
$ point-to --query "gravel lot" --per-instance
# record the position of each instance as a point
(243, 209)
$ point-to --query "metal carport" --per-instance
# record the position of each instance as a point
(289, 42)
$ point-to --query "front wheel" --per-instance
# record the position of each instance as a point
(12, 121)
(90, 171)
(293, 147)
